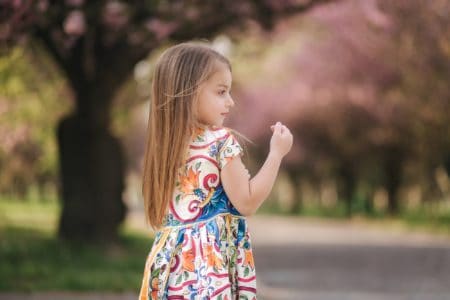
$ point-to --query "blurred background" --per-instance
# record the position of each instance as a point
(361, 207)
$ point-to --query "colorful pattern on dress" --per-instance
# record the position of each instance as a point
(203, 251)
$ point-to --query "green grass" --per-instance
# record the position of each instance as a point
(33, 259)
(424, 219)
(434, 221)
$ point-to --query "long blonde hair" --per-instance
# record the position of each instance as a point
(172, 119)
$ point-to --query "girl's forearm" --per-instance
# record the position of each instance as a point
(262, 183)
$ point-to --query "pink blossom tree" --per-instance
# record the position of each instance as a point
(366, 96)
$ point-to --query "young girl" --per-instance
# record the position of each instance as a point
(197, 192)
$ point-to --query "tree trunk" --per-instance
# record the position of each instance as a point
(393, 165)
(447, 163)
(294, 178)
(91, 172)
(347, 189)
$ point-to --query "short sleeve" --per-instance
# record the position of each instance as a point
(229, 147)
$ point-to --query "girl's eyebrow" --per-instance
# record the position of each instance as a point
(224, 85)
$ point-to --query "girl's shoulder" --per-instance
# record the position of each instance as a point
(216, 143)
(211, 134)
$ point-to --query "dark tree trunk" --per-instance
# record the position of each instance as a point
(447, 163)
(91, 172)
(368, 203)
(294, 178)
(347, 189)
(393, 165)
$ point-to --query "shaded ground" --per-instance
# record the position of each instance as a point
(324, 260)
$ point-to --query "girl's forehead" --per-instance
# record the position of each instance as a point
(221, 75)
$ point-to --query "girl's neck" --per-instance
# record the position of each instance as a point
(199, 128)
(204, 126)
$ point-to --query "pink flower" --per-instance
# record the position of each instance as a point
(75, 23)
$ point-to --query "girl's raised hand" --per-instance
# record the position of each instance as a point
(282, 139)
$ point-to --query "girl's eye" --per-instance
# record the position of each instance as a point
(222, 92)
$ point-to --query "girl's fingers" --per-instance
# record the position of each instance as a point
(282, 127)
(278, 128)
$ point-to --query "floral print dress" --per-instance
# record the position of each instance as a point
(203, 250)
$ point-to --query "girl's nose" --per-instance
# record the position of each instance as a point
(231, 101)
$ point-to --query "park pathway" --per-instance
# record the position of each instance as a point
(312, 259)
(336, 260)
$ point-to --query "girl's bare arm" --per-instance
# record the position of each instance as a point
(247, 195)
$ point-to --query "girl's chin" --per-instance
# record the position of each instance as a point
(217, 123)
